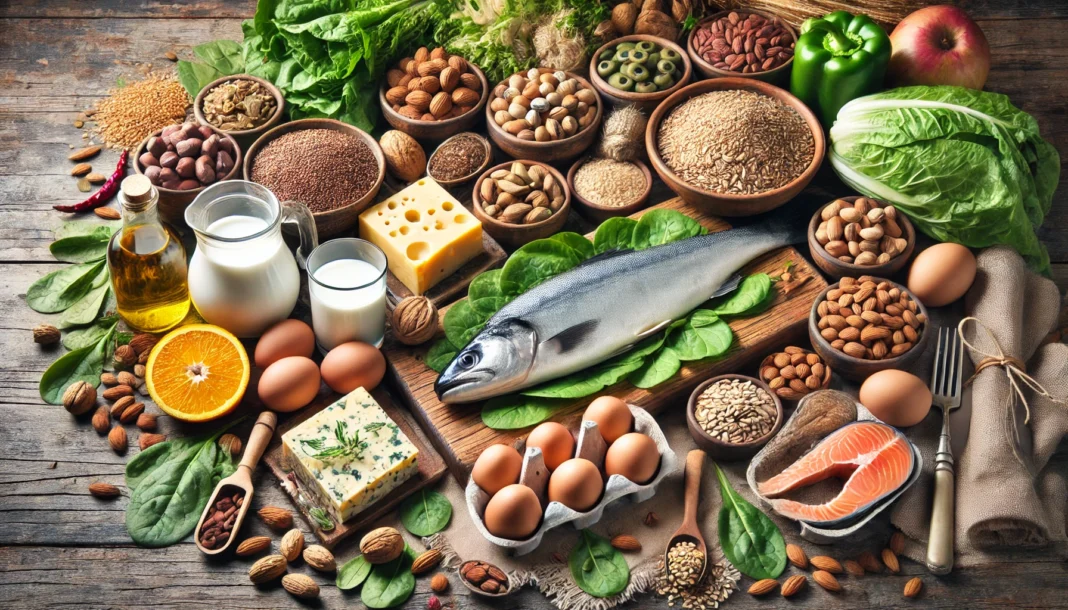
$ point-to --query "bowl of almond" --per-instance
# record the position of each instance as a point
(795, 372)
(857, 235)
(433, 95)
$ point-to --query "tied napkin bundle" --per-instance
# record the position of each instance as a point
(1011, 488)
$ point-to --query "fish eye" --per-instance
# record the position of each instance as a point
(468, 360)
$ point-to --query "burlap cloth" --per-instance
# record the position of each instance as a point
(1011, 488)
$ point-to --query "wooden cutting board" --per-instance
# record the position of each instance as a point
(458, 432)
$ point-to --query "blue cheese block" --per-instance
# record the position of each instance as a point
(349, 455)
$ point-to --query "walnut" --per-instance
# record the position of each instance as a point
(415, 320)
(382, 545)
(79, 398)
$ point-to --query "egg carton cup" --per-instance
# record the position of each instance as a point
(590, 446)
(826, 535)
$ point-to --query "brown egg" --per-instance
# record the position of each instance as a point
(555, 442)
(612, 415)
(634, 456)
(898, 398)
(941, 274)
(497, 467)
(353, 365)
(513, 512)
(285, 339)
(289, 384)
(577, 484)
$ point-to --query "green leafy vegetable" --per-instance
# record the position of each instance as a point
(750, 540)
(441, 354)
(516, 411)
(966, 166)
(536, 262)
(426, 513)
(703, 335)
(86, 309)
(750, 295)
(597, 567)
(83, 248)
(344, 445)
(614, 234)
(171, 483)
(353, 573)
(89, 335)
(657, 369)
(389, 584)
(659, 227)
(61, 289)
(461, 323)
(83, 364)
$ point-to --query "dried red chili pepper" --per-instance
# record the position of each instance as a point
(104, 194)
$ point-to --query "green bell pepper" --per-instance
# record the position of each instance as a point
(838, 58)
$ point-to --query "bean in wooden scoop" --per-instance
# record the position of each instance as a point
(229, 503)
(688, 533)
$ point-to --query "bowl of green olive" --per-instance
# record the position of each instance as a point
(639, 69)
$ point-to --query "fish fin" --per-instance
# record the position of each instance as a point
(728, 287)
(569, 338)
(652, 330)
(603, 256)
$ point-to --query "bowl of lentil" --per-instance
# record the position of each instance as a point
(731, 417)
(734, 146)
(604, 188)
(332, 167)
(765, 40)
(644, 101)
(260, 122)
(515, 235)
(459, 159)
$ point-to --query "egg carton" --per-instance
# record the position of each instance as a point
(590, 446)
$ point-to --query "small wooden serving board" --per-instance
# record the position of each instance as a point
(431, 468)
(460, 435)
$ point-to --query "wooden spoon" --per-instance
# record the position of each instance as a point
(688, 531)
(240, 482)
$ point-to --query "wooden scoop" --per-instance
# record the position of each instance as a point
(239, 483)
(688, 531)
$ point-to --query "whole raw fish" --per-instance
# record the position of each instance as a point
(601, 308)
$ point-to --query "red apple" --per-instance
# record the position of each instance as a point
(939, 45)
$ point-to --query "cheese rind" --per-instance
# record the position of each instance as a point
(425, 232)
(347, 484)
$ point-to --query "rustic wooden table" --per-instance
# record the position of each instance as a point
(61, 547)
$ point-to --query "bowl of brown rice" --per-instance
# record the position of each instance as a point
(605, 188)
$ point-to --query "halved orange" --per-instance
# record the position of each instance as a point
(197, 372)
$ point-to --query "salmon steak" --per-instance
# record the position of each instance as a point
(874, 459)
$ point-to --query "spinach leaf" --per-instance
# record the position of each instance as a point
(441, 354)
(536, 262)
(61, 289)
(587, 381)
(614, 234)
(171, 484)
(74, 228)
(660, 227)
(461, 323)
(517, 411)
(353, 573)
(485, 294)
(657, 369)
(750, 540)
(582, 246)
(597, 567)
(82, 337)
(86, 309)
(83, 248)
(750, 295)
(389, 584)
(426, 513)
(703, 336)
(83, 364)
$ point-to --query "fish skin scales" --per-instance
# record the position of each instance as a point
(875, 458)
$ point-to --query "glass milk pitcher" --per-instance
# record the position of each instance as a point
(242, 276)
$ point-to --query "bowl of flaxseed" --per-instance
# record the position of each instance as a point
(732, 417)
(734, 146)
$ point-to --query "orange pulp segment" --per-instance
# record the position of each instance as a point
(197, 373)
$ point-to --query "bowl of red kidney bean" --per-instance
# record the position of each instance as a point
(743, 43)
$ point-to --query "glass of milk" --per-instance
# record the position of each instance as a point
(347, 282)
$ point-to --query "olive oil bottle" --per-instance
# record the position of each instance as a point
(147, 262)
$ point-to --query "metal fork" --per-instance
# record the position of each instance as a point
(945, 390)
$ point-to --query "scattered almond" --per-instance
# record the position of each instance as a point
(117, 440)
(84, 186)
(826, 580)
(426, 561)
(102, 420)
(120, 406)
(132, 412)
(897, 543)
(276, 518)
(143, 342)
(147, 439)
(853, 568)
(439, 583)
(913, 587)
(125, 356)
(868, 561)
(84, 153)
(127, 378)
(827, 564)
(793, 584)
(252, 546)
(292, 545)
(171, 55)
(139, 371)
(95, 178)
(797, 556)
(762, 587)
(624, 542)
(300, 585)
(267, 569)
(890, 559)
(108, 379)
(146, 421)
(319, 558)
(104, 490)
(117, 392)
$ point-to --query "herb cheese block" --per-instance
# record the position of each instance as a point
(349, 455)
(425, 232)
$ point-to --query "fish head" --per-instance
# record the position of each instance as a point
(496, 362)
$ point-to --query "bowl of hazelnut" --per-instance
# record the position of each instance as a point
(856, 235)
(433, 95)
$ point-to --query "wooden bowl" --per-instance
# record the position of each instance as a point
(836, 268)
(721, 204)
(245, 137)
(768, 361)
(644, 101)
(479, 591)
(516, 235)
(548, 152)
(463, 179)
(779, 76)
(341, 219)
(595, 212)
(859, 369)
(435, 130)
(721, 450)
(172, 202)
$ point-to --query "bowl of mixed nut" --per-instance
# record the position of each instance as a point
(745, 43)
(732, 416)
(241, 105)
(867, 324)
(520, 201)
(858, 235)
(543, 114)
